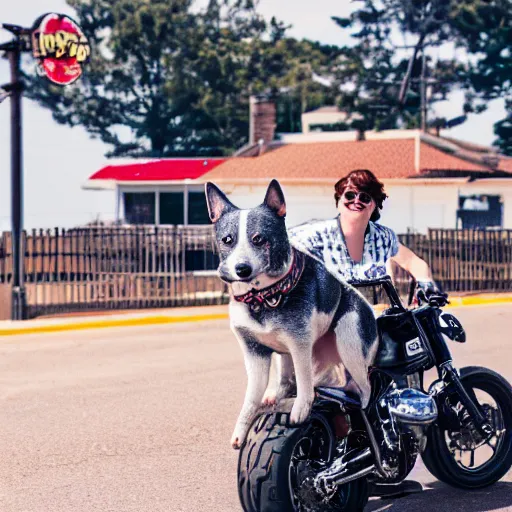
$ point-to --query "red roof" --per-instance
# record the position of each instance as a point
(169, 169)
(433, 159)
(387, 158)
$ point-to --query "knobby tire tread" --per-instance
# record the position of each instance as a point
(435, 456)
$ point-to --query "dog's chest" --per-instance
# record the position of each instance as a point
(273, 332)
(266, 331)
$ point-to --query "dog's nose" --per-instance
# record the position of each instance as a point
(243, 270)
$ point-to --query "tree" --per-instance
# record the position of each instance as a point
(388, 84)
(503, 130)
(484, 27)
(165, 80)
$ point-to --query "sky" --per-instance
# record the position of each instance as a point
(59, 159)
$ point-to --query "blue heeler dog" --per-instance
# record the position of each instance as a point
(285, 301)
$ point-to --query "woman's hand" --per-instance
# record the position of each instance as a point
(430, 292)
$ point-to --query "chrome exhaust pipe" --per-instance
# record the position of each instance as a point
(336, 473)
(355, 476)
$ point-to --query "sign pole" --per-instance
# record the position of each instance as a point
(18, 287)
(14, 89)
(62, 49)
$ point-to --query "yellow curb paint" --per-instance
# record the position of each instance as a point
(161, 320)
(118, 322)
(493, 300)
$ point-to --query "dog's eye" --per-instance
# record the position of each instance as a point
(257, 239)
(228, 240)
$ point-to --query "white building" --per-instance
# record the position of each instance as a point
(156, 191)
(432, 182)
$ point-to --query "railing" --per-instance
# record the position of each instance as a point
(101, 268)
(116, 268)
(466, 260)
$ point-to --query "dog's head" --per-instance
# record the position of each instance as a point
(251, 242)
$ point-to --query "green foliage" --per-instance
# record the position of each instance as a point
(503, 130)
(484, 27)
(377, 67)
(166, 80)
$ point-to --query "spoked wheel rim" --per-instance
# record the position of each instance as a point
(470, 450)
(310, 454)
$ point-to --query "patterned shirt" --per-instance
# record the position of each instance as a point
(324, 241)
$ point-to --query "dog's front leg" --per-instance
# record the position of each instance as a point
(302, 353)
(283, 384)
(257, 359)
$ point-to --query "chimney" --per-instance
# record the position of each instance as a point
(262, 119)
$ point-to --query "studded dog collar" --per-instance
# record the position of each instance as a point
(272, 296)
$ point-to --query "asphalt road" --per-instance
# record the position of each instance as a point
(139, 419)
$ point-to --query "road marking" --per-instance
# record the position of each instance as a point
(456, 302)
(118, 322)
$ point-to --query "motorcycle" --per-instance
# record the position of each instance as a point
(329, 462)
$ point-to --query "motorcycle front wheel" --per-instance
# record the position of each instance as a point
(462, 457)
(277, 464)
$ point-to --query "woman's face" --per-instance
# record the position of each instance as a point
(356, 204)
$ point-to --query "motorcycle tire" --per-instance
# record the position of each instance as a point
(264, 482)
(439, 460)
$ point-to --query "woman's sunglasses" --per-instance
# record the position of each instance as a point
(365, 198)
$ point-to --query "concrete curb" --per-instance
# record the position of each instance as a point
(103, 322)
(76, 323)
(476, 300)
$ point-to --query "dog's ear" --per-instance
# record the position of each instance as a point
(218, 204)
(274, 198)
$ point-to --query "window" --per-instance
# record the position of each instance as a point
(139, 207)
(197, 209)
(480, 211)
(172, 208)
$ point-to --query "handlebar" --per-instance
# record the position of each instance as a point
(435, 301)
(388, 286)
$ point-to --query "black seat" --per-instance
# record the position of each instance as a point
(339, 395)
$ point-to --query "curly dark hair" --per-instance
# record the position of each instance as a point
(365, 181)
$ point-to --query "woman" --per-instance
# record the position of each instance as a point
(353, 246)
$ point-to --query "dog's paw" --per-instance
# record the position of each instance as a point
(236, 444)
(301, 410)
(238, 437)
(270, 399)
(273, 397)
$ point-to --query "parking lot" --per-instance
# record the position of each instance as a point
(138, 419)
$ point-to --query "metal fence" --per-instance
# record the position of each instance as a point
(116, 268)
(100, 268)
(466, 260)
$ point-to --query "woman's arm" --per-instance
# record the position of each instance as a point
(417, 267)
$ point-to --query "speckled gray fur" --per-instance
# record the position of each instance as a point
(319, 304)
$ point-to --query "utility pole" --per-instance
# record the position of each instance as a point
(423, 92)
(13, 50)
(18, 288)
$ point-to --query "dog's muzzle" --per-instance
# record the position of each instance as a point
(272, 296)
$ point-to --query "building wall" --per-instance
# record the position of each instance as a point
(313, 118)
(419, 207)
(302, 203)
(416, 207)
